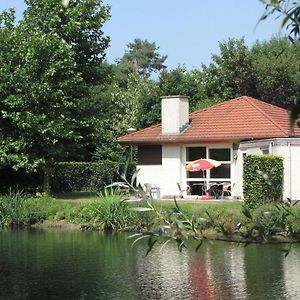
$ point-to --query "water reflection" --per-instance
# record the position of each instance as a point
(76, 265)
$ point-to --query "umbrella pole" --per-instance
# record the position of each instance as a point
(205, 182)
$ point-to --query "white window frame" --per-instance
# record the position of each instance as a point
(208, 181)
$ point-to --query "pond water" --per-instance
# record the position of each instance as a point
(88, 265)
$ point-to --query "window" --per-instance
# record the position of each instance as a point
(193, 153)
(202, 180)
(149, 155)
(222, 171)
(220, 154)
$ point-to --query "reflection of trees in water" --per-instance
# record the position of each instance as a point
(73, 265)
(264, 271)
(64, 265)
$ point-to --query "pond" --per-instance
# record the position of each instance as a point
(88, 265)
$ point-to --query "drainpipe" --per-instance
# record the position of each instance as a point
(271, 148)
(290, 169)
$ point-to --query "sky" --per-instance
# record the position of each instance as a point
(188, 31)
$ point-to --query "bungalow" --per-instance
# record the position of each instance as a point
(226, 132)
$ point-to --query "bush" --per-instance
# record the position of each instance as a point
(110, 212)
(263, 179)
(84, 176)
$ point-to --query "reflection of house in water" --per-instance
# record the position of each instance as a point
(291, 268)
(218, 272)
(163, 274)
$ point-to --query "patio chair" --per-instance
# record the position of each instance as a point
(183, 188)
(152, 190)
(215, 190)
(226, 192)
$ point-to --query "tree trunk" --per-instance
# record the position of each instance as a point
(46, 181)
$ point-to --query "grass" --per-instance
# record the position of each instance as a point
(107, 212)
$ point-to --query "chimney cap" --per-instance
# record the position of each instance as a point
(174, 96)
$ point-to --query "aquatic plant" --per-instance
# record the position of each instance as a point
(14, 210)
(111, 212)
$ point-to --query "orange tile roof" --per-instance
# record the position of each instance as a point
(242, 118)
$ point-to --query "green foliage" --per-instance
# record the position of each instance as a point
(263, 179)
(265, 221)
(84, 176)
(174, 224)
(111, 213)
(231, 74)
(277, 69)
(14, 209)
(289, 12)
(49, 59)
(143, 58)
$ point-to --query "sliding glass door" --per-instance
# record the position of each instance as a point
(201, 181)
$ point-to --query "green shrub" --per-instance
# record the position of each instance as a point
(84, 176)
(110, 212)
(293, 220)
(263, 179)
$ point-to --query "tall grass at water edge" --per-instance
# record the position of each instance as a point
(108, 212)
(14, 210)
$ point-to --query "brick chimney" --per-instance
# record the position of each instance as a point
(174, 114)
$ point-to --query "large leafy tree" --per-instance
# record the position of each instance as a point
(277, 68)
(290, 20)
(50, 59)
(143, 58)
(119, 106)
(231, 73)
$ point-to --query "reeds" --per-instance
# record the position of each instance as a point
(14, 210)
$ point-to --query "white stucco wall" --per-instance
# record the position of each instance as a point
(165, 176)
(290, 152)
(237, 189)
(172, 168)
(289, 149)
(149, 174)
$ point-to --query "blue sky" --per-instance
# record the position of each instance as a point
(188, 31)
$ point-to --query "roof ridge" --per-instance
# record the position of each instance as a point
(250, 101)
(218, 104)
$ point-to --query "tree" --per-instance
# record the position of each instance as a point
(79, 24)
(45, 80)
(277, 68)
(119, 107)
(143, 58)
(231, 74)
(290, 13)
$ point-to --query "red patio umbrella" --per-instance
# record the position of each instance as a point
(202, 164)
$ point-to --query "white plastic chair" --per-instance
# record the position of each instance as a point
(183, 188)
(152, 190)
(226, 190)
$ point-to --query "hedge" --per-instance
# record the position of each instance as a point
(85, 176)
(263, 179)
(28, 182)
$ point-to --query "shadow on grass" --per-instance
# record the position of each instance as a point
(76, 196)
